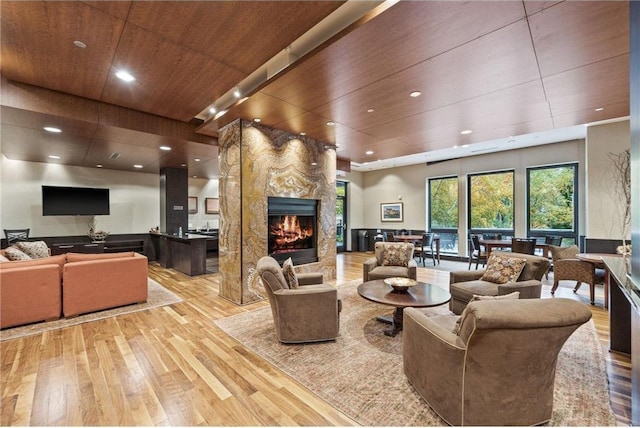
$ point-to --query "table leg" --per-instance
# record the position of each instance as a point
(398, 316)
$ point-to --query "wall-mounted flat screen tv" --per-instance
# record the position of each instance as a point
(74, 201)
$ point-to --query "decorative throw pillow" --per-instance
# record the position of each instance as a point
(511, 296)
(3, 259)
(34, 249)
(397, 255)
(14, 254)
(290, 274)
(501, 269)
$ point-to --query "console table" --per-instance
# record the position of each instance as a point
(624, 322)
(136, 245)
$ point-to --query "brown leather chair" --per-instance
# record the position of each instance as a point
(523, 245)
(499, 367)
(310, 313)
(374, 268)
(476, 253)
(566, 267)
(464, 284)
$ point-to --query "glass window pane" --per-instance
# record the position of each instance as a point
(551, 198)
(443, 203)
(491, 201)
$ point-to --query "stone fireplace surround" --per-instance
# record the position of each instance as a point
(257, 162)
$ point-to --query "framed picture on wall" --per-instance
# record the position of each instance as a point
(391, 211)
(193, 204)
(211, 205)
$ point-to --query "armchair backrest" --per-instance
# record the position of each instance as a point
(380, 249)
(559, 253)
(534, 268)
(271, 274)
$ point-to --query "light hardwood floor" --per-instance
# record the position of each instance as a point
(173, 366)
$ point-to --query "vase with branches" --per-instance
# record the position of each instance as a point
(622, 177)
(93, 233)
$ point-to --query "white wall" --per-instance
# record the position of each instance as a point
(410, 184)
(134, 198)
(604, 208)
(203, 188)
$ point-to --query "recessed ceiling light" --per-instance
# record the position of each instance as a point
(370, 110)
(236, 93)
(415, 94)
(183, 164)
(600, 109)
(303, 133)
(137, 166)
(330, 123)
(257, 120)
(99, 166)
(314, 163)
(465, 145)
(212, 110)
(80, 44)
(52, 129)
(165, 148)
(466, 132)
(197, 159)
(54, 157)
(125, 76)
(195, 176)
(369, 152)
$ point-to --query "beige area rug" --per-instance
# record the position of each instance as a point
(361, 372)
(158, 296)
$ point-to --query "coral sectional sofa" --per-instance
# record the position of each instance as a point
(70, 284)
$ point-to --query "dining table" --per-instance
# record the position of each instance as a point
(490, 244)
(596, 260)
(417, 240)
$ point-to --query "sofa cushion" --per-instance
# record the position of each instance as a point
(15, 254)
(465, 290)
(397, 255)
(3, 259)
(81, 257)
(502, 270)
(511, 296)
(34, 249)
(51, 260)
(290, 274)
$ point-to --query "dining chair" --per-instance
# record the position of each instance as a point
(492, 236)
(523, 245)
(15, 235)
(426, 248)
(476, 253)
(389, 237)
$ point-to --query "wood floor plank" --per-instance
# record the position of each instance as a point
(173, 366)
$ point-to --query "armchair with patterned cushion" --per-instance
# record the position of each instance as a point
(566, 267)
(506, 272)
(392, 259)
(304, 309)
(493, 369)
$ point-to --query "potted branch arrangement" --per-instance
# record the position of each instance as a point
(622, 176)
(94, 234)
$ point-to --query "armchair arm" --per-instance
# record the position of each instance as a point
(308, 278)
(531, 289)
(413, 269)
(367, 267)
(465, 275)
(433, 360)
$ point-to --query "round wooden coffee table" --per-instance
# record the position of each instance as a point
(421, 295)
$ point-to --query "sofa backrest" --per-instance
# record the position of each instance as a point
(83, 257)
(380, 249)
(51, 260)
(534, 268)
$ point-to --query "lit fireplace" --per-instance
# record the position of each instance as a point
(292, 230)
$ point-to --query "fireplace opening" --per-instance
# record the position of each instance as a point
(292, 229)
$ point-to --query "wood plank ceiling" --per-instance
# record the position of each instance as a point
(498, 68)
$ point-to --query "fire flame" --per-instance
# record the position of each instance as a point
(289, 231)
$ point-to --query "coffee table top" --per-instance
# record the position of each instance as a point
(421, 295)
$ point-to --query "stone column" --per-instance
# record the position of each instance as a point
(257, 162)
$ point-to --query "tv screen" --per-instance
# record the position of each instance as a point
(74, 201)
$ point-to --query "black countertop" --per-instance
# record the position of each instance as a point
(620, 268)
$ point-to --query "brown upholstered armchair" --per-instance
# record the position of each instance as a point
(377, 268)
(493, 371)
(309, 313)
(566, 267)
(464, 284)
